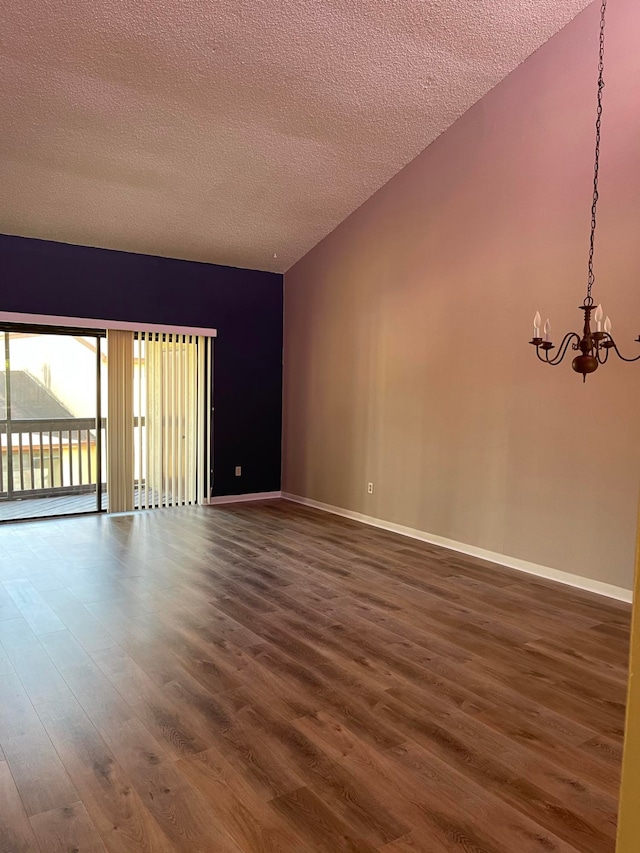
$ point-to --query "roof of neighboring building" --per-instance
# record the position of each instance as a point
(30, 399)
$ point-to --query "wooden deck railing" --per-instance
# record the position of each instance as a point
(43, 458)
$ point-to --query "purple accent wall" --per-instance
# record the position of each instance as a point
(245, 306)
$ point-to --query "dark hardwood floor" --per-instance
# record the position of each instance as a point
(266, 677)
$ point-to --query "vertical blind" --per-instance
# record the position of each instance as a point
(120, 460)
(168, 424)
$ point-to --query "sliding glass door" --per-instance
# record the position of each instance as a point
(63, 391)
(51, 422)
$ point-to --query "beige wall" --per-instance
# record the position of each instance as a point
(406, 356)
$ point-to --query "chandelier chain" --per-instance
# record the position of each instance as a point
(596, 167)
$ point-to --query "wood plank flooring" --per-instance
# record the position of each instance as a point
(266, 677)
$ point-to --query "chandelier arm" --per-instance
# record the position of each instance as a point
(619, 354)
(541, 358)
(602, 359)
(562, 349)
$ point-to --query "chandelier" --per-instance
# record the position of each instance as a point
(593, 346)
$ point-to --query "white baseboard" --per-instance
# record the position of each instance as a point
(607, 589)
(236, 499)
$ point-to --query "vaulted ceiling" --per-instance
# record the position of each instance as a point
(234, 131)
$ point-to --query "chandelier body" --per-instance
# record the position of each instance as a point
(593, 346)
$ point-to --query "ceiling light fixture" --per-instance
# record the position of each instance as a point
(594, 346)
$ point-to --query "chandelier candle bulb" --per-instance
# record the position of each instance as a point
(537, 320)
(607, 326)
(547, 331)
(598, 318)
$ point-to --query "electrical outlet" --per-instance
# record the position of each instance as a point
(370, 488)
(238, 470)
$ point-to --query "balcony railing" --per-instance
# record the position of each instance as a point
(44, 458)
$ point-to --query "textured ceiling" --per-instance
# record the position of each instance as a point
(234, 131)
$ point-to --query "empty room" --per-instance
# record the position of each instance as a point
(319, 458)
